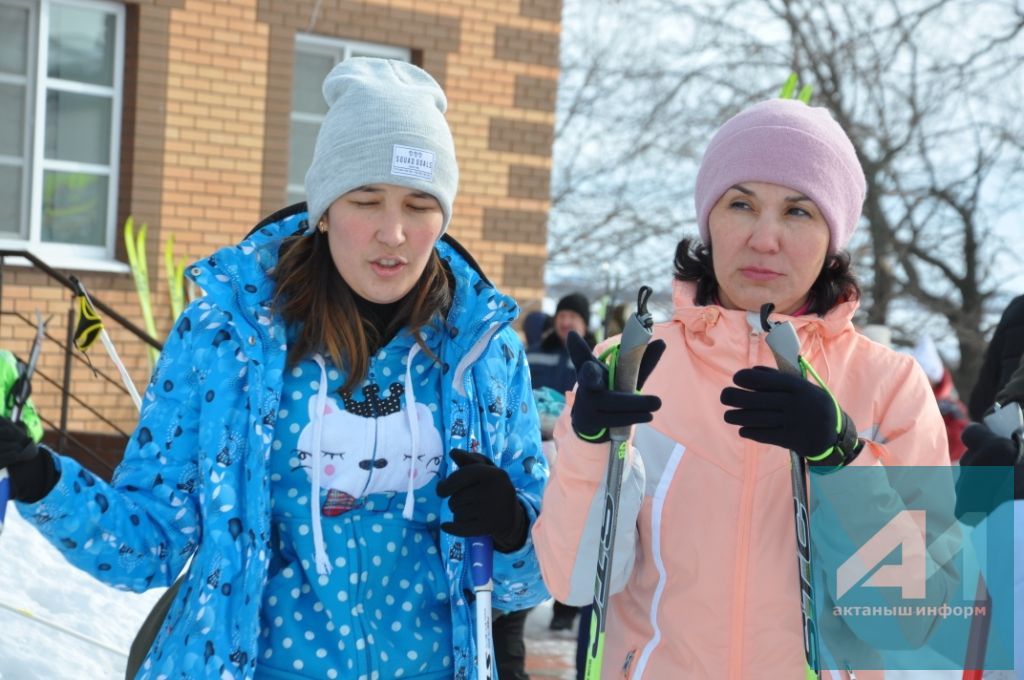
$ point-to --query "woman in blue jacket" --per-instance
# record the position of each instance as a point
(349, 369)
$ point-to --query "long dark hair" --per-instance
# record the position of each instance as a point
(835, 283)
(312, 295)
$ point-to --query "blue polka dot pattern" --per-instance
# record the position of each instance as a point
(198, 483)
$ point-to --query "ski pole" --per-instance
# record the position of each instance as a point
(19, 402)
(87, 309)
(481, 553)
(1006, 420)
(624, 368)
(63, 629)
(785, 346)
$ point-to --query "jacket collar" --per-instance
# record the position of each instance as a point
(239, 276)
(703, 319)
(721, 338)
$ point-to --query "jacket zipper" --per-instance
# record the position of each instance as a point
(743, 544)
(367, 656)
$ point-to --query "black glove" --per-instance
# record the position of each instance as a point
(597, 406)
(791, 412)
(484, 502)
(32, 475)
(986, 448)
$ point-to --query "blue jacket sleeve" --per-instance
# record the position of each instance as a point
(517, 578)
(138, 531)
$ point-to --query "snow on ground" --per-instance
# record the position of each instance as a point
(37, 581)
(43, 588)
(35, 578)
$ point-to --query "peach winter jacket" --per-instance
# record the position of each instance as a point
(704, 575)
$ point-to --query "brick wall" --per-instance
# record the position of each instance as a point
(205, 147)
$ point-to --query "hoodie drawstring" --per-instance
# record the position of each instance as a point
(819, 344)
(323, 564)
(414, 433)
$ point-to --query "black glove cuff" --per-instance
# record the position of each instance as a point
(517, 534)
(846, 448)
(33, 479)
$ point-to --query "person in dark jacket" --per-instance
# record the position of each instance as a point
(1001, 359)
(550, 364)
(987, 448)
(535, 325)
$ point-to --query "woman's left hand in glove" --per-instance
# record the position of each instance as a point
(785, 410)
(483, 501)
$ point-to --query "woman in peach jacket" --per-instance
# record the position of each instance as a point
(705, 578)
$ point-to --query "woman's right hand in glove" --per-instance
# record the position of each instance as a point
(33, 473)
(597, 406)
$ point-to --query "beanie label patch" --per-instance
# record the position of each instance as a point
(409, 161)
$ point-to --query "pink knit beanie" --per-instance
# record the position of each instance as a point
(785, 142)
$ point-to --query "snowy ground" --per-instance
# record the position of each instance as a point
(40, 590)
(41, 594)
(44, 588)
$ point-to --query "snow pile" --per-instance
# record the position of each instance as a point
(35, 578)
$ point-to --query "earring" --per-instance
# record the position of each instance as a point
(321, 226)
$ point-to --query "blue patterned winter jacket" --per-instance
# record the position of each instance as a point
(194, 478)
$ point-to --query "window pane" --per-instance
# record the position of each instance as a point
(10, 200)
(78, 127)
(14, 46)
(82, 45)
(300, 151)
(295, 197)
(309, 74)
(369, 53)
(12, 119)
(74, 208)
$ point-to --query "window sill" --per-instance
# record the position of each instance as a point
(72, 263)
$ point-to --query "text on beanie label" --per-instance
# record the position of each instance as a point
(408, 161)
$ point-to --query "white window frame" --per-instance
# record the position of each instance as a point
(68, 255)
(27, 113)
(340, 49)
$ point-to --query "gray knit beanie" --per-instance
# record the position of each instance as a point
(385, 125)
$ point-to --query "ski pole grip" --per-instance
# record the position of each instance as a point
(782, 341)
(1006, 420)
(5, 494)
(635, 336)
(481, 556)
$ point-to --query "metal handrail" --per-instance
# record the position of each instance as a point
(71, 283)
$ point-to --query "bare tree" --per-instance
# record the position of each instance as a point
(930, 91)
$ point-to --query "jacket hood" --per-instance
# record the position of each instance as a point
(719, 335)
(242, 273)
(701, 319)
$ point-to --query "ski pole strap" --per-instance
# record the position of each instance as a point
(785, 347)
(623, 360)
(610, 359)
(847, 445)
